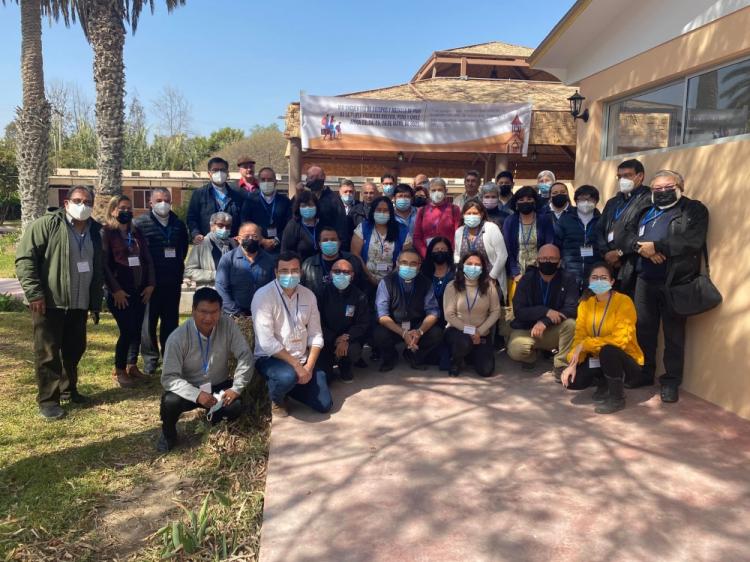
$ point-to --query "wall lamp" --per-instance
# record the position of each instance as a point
(576, 102)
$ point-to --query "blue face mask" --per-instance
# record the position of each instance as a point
(402, 203)
(289, 280)
(388, 189)
(221, 233)
(472, 271)
(348, 199)
(544, 189)
(308, 212)
(341, 280)
(381, 218)
(407, 272)
(472, 221)
(599, 287)
(330, 247)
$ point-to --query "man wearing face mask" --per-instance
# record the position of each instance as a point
(204, 258)
(168, 243)
(544, 306)
(330, 207)
(247, 181)
(289, 340)
(471, 190)
(559, 202)
(406, 214)
(269, 209)
(316, 270)
(616, 229)
(388, 185)
(576, 232)
(59, 263)
(345, 318)
(362, 209)
(217, 195)
(671, 236)
(505, 182)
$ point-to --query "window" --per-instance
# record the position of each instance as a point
(695, 109)
(141, 198)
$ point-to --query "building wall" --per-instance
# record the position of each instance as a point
(718, 354)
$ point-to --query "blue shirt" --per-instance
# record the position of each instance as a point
(409, 221)
(237, 279)
(383, 301)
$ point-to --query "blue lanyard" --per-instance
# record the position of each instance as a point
(545, 292)
(476, 295)
(652, 215)
(130, 239)
(221, 198)
(292, 321)
(380, 241)
(402, 285)
(311, 234)
(266, 206)
(525, 239)
(621, 209)
(593, 323)
(205, 357)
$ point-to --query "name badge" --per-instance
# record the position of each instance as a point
(611, 236)
(83, 266)
(405, 326)
(587, 251)
(350, 310)
(271, 232)
(170, 253)
(206, 387)
(642, 230)
(134, 261)
(470, 330)
(594, 363)
(382, 266)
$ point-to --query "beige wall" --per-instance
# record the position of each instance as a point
(718, 342)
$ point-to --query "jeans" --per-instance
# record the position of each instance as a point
(386, 340)
(164, 306)
(282, 382)
(615, 364)
(523, 348)
(129, 322)
(481, 356)
(652, 309)
(173, 406)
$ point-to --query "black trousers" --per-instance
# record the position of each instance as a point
(59, 344)
(129, 322)
(615, 364)
(481, 356)
(164, 310)
(386, 340)
(328, 359)
(652, 309)
(173, 406)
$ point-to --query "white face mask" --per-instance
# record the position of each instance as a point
(586, 207)
(162, 209)
(79, 212)
(267, 187)
(626, 185)
(219, 177)
(437, 196)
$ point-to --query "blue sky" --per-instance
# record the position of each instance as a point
(239, 63)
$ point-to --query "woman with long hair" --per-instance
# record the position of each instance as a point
(129, 279)
(439, 267)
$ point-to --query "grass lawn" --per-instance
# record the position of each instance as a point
(65, 485)
(7, 256)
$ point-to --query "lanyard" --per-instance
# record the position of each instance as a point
(474, 302)
(525, 239)
(438, 286)
(586, 231)
(79, 238)
(473, 245)
(311, 234)
(593, 324)
(621, 209)
(221, 198)
(292, 321)
(205, 357)
(269, 208)
(402, 285)
(166, 231)
(381, 242)
(545, 291)
(652, 215)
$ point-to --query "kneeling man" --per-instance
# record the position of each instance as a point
(195, 372)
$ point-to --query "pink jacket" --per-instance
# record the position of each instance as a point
(435, 220)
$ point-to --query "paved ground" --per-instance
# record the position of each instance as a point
(422, 467)
(11, 287)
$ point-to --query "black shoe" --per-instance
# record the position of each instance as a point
(610, 406)
(52, 412)
(345, 374)
(670, 393)
(409, 356)
(386, 366)
(453, 372)
(639, 382)
(557, 372)
(78, 398)
(165, 445)
(361, 363)
(374, 355)
(600, 394)
(528, 366)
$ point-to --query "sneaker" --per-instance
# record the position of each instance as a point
(670, 393)
(123, 379)
(52, 412)
(280, 410)
(165, 445)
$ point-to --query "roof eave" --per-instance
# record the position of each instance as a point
(553, 36)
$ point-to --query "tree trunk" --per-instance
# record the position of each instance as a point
(106, 34)
(33, 118)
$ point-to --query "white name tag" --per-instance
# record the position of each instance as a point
(350, 310)
(271, 232)
(83, 266)
(134, 261)
(382, 266)
(170, 253)
(611, 236)
(470, 330)
(594, 363)
(587, 251)
(405, 326)
(642, 230)
(206, 387)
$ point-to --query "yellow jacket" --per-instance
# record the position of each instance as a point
(618, 328)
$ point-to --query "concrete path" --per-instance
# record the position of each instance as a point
(11, 287)
(423, 467)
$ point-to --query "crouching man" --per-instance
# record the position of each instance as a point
(195, 372)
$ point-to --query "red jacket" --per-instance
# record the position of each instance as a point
(250, 187)
(435, 220)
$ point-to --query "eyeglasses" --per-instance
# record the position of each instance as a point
(79, 201)
(548, 260)
(340, 272)
(664, 188)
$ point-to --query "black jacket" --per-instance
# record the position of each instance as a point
(572, 235)
(203, 204)
(169, 271)
(313, 276)
(528, 302)
(255, 209)
(625, 231)
(359, 213)
(333, 305)
(684, 245)
(331, 212)
(296, 238)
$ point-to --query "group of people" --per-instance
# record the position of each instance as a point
(297, 289)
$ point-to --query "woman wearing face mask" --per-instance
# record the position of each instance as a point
(576, 231)
(421, 195)
(438, 218)
(439, 266)
(204, 258)
(605, 350)
(525, 232)
(544, 182)
(477, 234)
(472, 308)
(559, 201)
(301, 233)
(496, 211)
(130, 280)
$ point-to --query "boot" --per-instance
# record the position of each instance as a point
(615, 400)
(602, 391)
(134, 372)
(123, 379)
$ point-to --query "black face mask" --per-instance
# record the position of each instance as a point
(547, 268)
(124, 217)
(506, 190)
(664, 198)
(440, 257)
(315, 185)
(559, 200)
(526, 208)
(420, 201)
(250, 245)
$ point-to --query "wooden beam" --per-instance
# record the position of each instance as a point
(295, 161)
(463, 67)
(570, 153)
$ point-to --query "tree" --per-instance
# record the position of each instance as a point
(266, 144)
(173, 111)
(8, 179)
